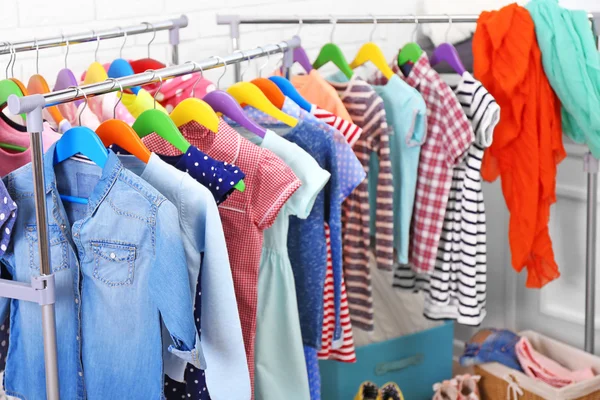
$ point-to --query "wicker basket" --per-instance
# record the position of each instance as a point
(499, 382)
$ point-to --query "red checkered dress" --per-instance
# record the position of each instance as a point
(269, 184)
(449, 135)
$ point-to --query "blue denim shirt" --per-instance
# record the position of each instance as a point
(120, 270)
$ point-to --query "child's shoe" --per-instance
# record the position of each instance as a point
(390, 391)
(467, 387)
(447, 390)
(367, 391)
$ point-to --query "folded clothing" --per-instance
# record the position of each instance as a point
(538, 366)
(492, 345)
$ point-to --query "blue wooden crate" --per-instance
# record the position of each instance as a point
(415, 362)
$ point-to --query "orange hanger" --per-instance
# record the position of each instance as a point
(20, 85)
(114, 131)
(271, 90)
(37, 85)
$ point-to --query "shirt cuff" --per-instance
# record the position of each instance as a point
(194, 356)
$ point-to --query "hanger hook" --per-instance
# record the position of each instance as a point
(374, 27)
(197, 80)
(449, 27)
(220, 59)
(280, 47)
(300, 23)
(116, 82)
(414, 34)
(148, 24)
(68, 46)
(334, 22)
(7, 44)
(247, 64)
(37, 57)
(97, 45)
(12, 67)
(124, 41)
(84, 105)
(159, 86)
(265, 64)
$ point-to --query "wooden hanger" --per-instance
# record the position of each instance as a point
(114, 131)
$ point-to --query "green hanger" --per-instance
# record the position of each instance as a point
(411, 52)
(332, 53)
(156, 121)
(12, 147)
(8, 87)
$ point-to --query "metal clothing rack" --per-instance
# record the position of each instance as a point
(41, 290)
(591, 164)
(172, 25)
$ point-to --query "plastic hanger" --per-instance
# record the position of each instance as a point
(248, 93)
(371, 52)
(290, 91)
(114, 131)
(269, 89)
(411, 52)
(65, 78)
(121, 67)
(80, 140)
(193, 109)
(8, 86)
(156, 121)
(332, 53)
(37, 85)
(95, 72)
(299, 54)
(446, 52)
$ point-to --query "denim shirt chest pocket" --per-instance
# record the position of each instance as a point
(59, 256)
(113, 262)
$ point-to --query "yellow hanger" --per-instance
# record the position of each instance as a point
(193, 109)
(371, 52)
(95, 73)
(248, 93)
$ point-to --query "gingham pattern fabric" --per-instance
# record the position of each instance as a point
(449, 135)
(351, 132)
(343, 350)
(457, 287)
(245, 215)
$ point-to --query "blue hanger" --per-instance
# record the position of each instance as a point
(120, 68)
(80, 140)
(290, 91)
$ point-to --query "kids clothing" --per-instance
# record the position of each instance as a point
(315, 89)
(245, 215)
(527, 143)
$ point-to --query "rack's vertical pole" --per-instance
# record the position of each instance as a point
(287, 62)
(591, 167)
(35, 127)
(234, 32)
(174, 40)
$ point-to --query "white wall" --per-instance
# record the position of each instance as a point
(556, 310)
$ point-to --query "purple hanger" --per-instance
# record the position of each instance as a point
(447, 52)
(301, 58)
(66, 79)
(222, 102)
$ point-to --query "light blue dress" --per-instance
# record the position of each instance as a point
(278, 353)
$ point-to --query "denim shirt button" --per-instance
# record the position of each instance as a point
(113, 255)
(76, 300)
(80, 373)
(63, 226)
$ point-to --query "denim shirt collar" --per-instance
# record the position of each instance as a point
(110, 172)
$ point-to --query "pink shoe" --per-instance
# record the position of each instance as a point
(447, 390)
(467, 387)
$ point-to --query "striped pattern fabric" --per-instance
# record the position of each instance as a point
(367, 110)
(457, 287)
(329, 351)
(350, 131)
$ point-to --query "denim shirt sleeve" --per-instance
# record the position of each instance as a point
(169, 284)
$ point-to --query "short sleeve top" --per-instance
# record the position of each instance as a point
(245, 215)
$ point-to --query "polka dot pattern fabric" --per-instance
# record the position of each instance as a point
(8, 215)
